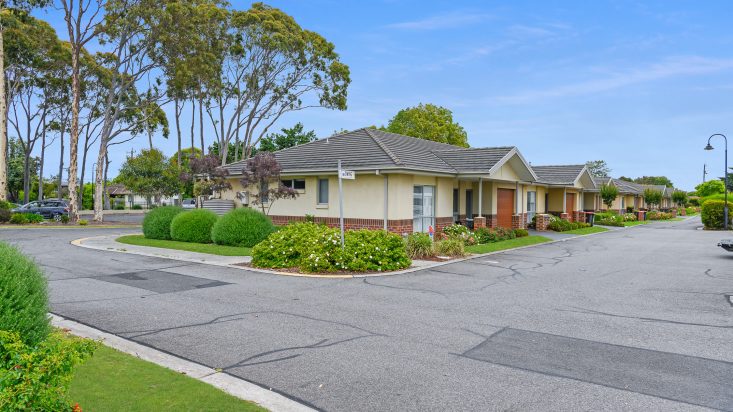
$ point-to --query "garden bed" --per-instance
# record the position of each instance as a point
(507, 244)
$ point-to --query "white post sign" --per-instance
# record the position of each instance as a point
(343, 174)
(348, 174)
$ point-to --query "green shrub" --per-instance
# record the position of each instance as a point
(137, 207)
(37, 377)
(630, 217)
(691, 210)
(82, 222)
(5, 205)
(33, 218)
(4, 215)
(242, 227)
(491, 235)
(521, 233)
(562, 225)
(450, 247)
(157, 222)
(657, 215)
(23, 296)
(712, 214)
(456, 230)
(119, 206)
(374, 250)
(419, 246)
(64, 219)
(609, 219)
(193, 226)
(317, 248)
(19, 219)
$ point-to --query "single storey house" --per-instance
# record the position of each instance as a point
(402, 184)
(569, 190)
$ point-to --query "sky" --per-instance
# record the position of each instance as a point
(639, 84)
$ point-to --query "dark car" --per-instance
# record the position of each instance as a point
(49, 208)
(726, 244)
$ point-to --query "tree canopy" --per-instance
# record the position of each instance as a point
(711, 187)
(287, 138)
(654, 180)
(598, 168)
(430, 122)
(149, 174)
(608, 194)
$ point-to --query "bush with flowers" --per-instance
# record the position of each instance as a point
(317, 248)
(630, 217)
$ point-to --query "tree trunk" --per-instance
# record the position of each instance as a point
(43, 159)
(193, 124)
(201, 126)
(83, 173)
(26, 177)
(99, 183)
(106, 169)
(74, 135)
(178, 129)
(61, 165)
(3, 123)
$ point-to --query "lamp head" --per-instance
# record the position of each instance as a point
(708, 147)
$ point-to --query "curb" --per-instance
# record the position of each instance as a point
(232, 385)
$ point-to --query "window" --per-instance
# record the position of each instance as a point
(531, 205)
(264, 187)
(456, 195)
(297, 184)
(423, 208)
(322, 191)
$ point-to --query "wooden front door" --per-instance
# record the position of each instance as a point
(504, 207)
(570, 204)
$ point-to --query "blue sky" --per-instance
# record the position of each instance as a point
(638, 84)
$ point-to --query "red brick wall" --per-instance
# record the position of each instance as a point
(479, 222)
(579, 216)
(442, 222)
(542, 221)
(519, 221)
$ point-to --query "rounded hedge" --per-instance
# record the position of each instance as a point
(242, 227)
(157, 222)
(193, 226)
(23, 296)
(712, 214)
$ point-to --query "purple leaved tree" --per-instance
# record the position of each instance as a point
(262, 173)
(207, 175)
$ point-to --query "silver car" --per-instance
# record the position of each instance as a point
(188, 204)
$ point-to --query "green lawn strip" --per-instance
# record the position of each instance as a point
(210, 248)
(636, 223)
(113, 381)
(507, 244)
(586, 230)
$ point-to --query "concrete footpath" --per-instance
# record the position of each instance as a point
(228, 383)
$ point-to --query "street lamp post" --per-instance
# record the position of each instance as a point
(725, 177)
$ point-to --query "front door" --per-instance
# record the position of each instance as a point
(570, 204)
(504, 207)
(469, 204)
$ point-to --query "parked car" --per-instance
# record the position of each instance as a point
(726, 244)
(48, 208)
(188, 203)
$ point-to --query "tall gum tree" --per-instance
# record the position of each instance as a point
(8, 7)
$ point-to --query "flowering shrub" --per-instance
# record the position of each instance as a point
(630, 217)
(562, 225)
(460, 232)
(37, 377)
(657, 215)
(317, 248)
(491, 235)
(609, 219)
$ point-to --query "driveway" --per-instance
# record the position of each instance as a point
(634, 319)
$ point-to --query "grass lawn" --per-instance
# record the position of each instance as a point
(586, 230)
(140, 240)
(507, 244)
(113, 381)
(636, 223)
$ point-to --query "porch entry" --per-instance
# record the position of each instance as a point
(570, 204)
(531, 205)
(504, 207)
(423, 208)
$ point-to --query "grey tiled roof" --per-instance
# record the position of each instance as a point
(369, 149)
(628, 187)
(558, 175)
(601, 180)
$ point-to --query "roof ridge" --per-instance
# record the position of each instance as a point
(457, 148)
(575, 165)
(383, 147)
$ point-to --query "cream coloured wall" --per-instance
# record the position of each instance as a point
(541, 190)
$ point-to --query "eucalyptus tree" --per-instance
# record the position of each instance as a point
(8, 9)
(272, 66)
(34, 53)
(83, 19)
(130, 32)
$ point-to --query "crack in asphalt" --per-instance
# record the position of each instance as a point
(366, 281)
(641, 318)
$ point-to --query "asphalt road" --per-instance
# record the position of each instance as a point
(636, 319)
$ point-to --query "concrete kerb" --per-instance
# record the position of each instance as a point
(80, 243)
(230, 384)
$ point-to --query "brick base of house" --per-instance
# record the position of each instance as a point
(479, 222)
(518, 221)
(542, 221)
(683, 212)
(579, 216)
(442, 222)
(566, 216)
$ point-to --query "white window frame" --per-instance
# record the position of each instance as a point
(318, 190)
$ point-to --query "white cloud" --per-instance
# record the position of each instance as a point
(444, 21)
(671, 67)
